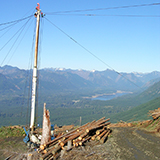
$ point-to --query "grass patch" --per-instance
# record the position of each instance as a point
(11, 131)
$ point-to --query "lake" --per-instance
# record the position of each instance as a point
(108, 97)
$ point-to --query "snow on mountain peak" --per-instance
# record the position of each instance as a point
(93, 70)
(59, 69)
(138, 74)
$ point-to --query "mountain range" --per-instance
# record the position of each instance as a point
(13, 80)
(64, 90)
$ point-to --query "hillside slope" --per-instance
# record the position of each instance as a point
(138, 113)
(150, 100)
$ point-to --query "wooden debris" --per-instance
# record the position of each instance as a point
(63, 128)
(77, 137)
(46, 130)
(93, 137)
(90, 154)
(155, 113)
(102, 134)
(82, 142)
(99, 131)
(105, 136)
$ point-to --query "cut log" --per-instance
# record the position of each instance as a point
(69, 145)
(49, 151)
(96, 127)
(71, 138)
(46, 130)
(46, 157)
(155, 115)
(56, 149)
(99, 131)
(82, 142)
(105, 137)
(100, 120)
(82, 136)
(68, 134)
(93, 137)
(103, 121)
(102, 134)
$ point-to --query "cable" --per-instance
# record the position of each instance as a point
(18, 44)
(7, 30)
(16, 20)
(100, 15)
(8, 26)
(121, 7)
(92, 54)
(29, 78)
(22, 28)
(11, 38)
(30, 64)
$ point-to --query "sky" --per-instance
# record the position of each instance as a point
(124, 39)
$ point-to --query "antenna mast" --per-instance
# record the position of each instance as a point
(34, 79)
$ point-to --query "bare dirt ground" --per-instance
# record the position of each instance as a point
(12, 147)
(125, 143)
(132, 143)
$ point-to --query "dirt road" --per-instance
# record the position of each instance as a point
(124, 144)
(132, 143)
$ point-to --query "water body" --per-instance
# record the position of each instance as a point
(108, 97)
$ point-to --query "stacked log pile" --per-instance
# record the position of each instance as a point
(156, 121)
(95, 130)
(63, 128)
(121, 124)
(155, 113)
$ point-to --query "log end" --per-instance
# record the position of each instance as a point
(42, 147)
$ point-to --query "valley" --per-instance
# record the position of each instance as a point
(63, 91)
(69, 99)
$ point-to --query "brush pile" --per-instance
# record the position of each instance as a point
(155, 113)
(95, 130)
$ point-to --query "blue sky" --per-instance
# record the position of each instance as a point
(125, 43)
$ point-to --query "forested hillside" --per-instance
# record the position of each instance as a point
(63, 91)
